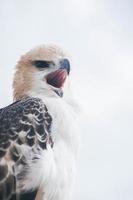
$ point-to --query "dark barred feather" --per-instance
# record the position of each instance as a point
(23, 124)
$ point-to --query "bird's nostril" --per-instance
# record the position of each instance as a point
(65, 64)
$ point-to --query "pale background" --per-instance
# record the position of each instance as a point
(99, 36)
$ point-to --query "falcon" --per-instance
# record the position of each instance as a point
(38, 131)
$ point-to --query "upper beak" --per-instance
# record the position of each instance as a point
(65, 64)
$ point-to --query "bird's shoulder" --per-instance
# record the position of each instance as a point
(19, 106)
(25, 131)
(22, 122)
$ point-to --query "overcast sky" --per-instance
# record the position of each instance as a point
(99, 36)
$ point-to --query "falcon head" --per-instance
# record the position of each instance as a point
(43, 70)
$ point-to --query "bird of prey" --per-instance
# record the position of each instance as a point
(38, 131)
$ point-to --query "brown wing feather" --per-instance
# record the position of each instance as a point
(24, 132)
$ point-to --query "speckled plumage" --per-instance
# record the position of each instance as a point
(24, 126)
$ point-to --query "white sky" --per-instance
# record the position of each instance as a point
(99, 36)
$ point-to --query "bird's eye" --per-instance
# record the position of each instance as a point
(41, 63)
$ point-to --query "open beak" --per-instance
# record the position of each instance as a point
(58, 77)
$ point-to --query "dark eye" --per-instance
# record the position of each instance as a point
(41, 63)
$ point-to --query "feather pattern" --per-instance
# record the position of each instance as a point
(25, 131)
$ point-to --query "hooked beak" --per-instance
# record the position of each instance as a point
(57, 78)
(65, 64)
